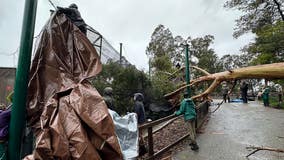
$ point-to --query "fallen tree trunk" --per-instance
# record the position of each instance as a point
(267, 71)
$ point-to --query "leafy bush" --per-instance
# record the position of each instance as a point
(125, 81)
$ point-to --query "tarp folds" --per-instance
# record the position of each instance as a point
(69, 117)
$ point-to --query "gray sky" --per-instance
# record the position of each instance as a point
(131, 22)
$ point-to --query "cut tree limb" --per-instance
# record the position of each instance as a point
(263, 148)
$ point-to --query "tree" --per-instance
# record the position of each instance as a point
(162, 54)
(179, 55)
(232, 61)
(125, 81)
(268, 46)
(200, 48)
(161, 48)
(257, 13)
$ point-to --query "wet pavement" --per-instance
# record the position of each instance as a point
(236, 126)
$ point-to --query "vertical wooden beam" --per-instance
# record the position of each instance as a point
(150, 142)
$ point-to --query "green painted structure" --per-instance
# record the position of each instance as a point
(17, 121)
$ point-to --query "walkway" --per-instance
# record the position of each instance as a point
(234, 127)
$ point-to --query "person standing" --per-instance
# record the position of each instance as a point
(244, 91)
(74, 15)
(265, 96)
(187, 108)
(5, 115)
(280, 93)
(108, 98)
(140, 112)
(139, 108)
(225, 91)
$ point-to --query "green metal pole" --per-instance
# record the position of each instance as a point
(187, 73)
(149, 67)
(120, 53)
(18, 118)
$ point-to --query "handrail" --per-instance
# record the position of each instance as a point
(201, 104)
(156, 122)
(149, 126)
(161, 120)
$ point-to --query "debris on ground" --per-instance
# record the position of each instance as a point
(256, 149)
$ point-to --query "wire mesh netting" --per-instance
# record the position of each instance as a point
(106, 51)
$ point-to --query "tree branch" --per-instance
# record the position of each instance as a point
(279, 9)
(215, 84)
(263, 148)
(201, 70)
(268, 71)
(195, 67)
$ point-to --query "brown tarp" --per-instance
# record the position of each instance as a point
(68, 116)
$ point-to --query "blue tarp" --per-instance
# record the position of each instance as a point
(238, 100)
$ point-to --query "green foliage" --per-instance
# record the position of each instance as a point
(161, 85)
(165, 52)
(125, 81)
(268, 46)
(161, 43)
(265, 19)
(162, 63)
(207, 59)
(274, 102)
(161, 51)
(232, 61)
(257, 13)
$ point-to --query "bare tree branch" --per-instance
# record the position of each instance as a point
(263, 148)
(195, 67)
(201, 70)
(279, 9)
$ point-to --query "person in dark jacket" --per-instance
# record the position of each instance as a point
(139, 108)
(108, 98)
(5, 115)
(74, 15)
(244, 91)
(140, 111)
(225, 91)
(187, 108)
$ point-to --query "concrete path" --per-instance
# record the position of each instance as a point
(234, 127)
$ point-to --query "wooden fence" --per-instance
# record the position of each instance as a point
(202, 112)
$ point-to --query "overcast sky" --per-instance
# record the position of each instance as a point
(130, 22)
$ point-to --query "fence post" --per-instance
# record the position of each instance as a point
(150, 142)
(18, 118)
